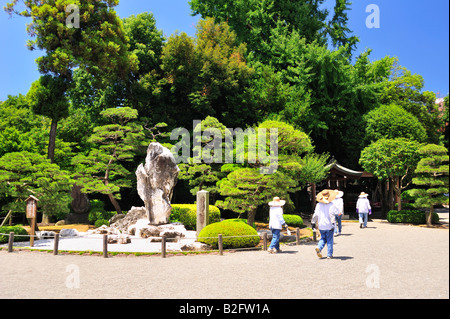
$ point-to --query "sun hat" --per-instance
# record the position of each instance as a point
(326, 196)
(363, 195)
(277, 202)
(339, 193)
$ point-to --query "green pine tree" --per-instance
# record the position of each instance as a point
(432, 179)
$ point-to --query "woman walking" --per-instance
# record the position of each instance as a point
(363, 209)
(324, 218)
(276, 223)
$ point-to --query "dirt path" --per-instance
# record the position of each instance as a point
(382, 261)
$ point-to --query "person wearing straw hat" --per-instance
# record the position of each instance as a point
(363, 209)
(276, 223)
(324, 218)
(339, 203)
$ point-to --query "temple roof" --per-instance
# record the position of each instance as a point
(333, 165)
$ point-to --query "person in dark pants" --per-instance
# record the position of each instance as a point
(324, 218)
(276, 223)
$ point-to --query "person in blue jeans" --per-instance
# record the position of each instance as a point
(324, 218)
(276, 223)
(363, 209)
(339, 203)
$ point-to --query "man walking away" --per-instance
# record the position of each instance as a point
(324, 218)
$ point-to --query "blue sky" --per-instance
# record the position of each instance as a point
(416, 31)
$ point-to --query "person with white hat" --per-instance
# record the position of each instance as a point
(276, 223)
(324, 218)
(339, 203)
(363, 209)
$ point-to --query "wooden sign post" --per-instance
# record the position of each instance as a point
(31, 214)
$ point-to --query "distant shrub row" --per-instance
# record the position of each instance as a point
(187, 215)
(410, 216)
(17, 230)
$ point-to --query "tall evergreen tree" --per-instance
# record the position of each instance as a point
(431, 179)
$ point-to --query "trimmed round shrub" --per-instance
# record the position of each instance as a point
(410, 216)
(209, 234)
(17, 231)
(101, 222)
(293, 220)
(187, 215)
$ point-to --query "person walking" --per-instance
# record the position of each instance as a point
(339, 203)
(324, 218)
(276, 223)
(363, 209)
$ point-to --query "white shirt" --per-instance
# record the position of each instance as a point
(324, 214)
(363, 205)
(339, 203)
(276, 220)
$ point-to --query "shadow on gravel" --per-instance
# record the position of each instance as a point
(342, 257)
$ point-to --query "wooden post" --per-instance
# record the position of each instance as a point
(297, 236)
(10, 242)
(265, 241)
(55, 245)
(105, 246)
(31, 210)
(163, 246)
(33, 225)
(220, 244)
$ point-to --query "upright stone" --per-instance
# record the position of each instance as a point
(202, 210)
(155, 182)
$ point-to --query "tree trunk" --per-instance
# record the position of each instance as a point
(52, 141)
(110, 196)
(251, 216)
(115, 203)
(45, 219)
(391, 195)
(398, 192)
(429, 217)
(384, 199)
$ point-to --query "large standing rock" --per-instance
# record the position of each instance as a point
(155, 182)
(80, 207)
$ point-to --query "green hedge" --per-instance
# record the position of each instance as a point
(187, 215)
(17, 231)
(229, 228)
(293, 220)
(410, 216)
(98, 214)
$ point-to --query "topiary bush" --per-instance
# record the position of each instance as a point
(410, 216)
(101, 222)
(18, 230)
(187, 215)
(293, 220)
(98, 212)
(209, 234)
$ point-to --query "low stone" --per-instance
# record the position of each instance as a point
(47, 234)
(60, 223)
(68, 232)
(133, 215)
(119, 239)
(195, 246)
(116, 218)
(148, 231)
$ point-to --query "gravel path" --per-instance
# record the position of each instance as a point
(382, 261)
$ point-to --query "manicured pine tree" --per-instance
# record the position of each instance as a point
(431, 179)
